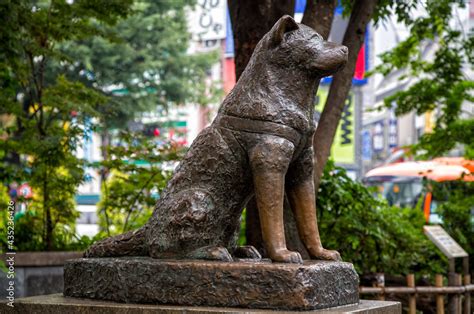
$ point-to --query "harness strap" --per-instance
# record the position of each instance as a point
(259, 126)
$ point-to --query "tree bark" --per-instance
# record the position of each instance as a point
(319, 15)
(48, 223)
(362, 12)
(105, 139)
(251, 20)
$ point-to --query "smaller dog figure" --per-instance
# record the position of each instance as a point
(259, 144)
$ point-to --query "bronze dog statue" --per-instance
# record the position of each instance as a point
(260, 143)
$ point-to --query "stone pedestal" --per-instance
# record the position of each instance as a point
(56, 303)
(264, 285)
(36, 273)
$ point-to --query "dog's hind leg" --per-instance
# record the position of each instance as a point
(131, 243)
(188, 226)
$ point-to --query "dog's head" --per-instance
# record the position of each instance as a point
(289, 44)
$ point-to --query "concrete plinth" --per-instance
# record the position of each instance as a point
(56, 303)
(313, 285)
(36, 273)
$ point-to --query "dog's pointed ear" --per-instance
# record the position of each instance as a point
(285, 24)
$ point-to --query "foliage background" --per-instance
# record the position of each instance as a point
(442, 85)
(140, 170)
(61, 65)
(371, 234)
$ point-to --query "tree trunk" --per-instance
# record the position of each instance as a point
(362, 12)
(319, 15)
(251, 20)
(48, 223)
(105, 139)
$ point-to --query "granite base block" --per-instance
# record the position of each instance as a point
(265, 285)
(56, 303)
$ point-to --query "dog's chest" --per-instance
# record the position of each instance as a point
(280, 112)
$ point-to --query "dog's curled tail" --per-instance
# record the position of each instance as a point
(131, 243)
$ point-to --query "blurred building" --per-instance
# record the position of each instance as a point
(384, 135)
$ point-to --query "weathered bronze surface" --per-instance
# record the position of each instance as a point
(312, 285)
(260, 142)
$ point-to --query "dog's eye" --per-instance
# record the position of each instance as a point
(289, 35)
(317, 36)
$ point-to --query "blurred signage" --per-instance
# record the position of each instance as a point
(208, 20)
(392, 130)
(229, 74)
(135, 126)
(171, 130)
(378, 140)
(444, 242)
(229, 62)
(429, 122)
(343, 147)
(229, 37)
(366, 146)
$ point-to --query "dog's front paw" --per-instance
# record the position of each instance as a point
(286, 256)
(327, 255)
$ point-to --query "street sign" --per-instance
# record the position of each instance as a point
(444, 242)
(207, 21)
(343, 149)
(25, 191)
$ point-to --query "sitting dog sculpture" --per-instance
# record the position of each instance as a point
(259, 144)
